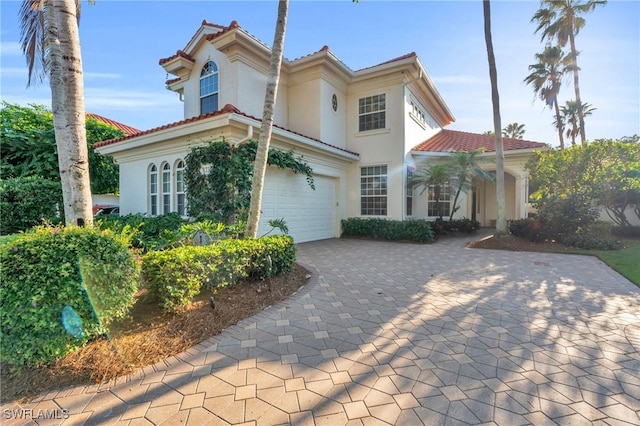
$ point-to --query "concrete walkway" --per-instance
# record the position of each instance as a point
(388, 333)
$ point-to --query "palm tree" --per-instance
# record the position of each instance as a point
(51, 45)
(546, 79)
(465, 167)
(432, 176)
(260, 164)
(560, 20)
(513, 130)
(569, 118)
(501, 222)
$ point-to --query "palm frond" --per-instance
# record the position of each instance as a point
(33, 37)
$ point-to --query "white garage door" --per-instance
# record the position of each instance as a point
(310, 215)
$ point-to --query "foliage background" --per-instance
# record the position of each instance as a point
(604, 173)
(29, 147)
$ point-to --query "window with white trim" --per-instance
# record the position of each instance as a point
(409, 198)
(209, 88)
(181, 196)
(372, 113)
(439, 206)
(166, 188)
(373, 191)
(417, 112)
(153, 190)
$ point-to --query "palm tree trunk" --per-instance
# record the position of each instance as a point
(67, 104)
(260, 164)
(559, 121)
(576, 86)
(455, 202)
(501, 222)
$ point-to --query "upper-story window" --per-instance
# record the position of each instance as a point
(418, 113)
(209, 88)
(372, 113)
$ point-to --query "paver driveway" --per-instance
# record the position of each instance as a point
(389, 333)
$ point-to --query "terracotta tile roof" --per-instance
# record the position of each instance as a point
(172, 80)
(179, 53)
(227, 109)
(233, 25)
(126, 129)
(210, 24)
(453, 140)
(399, 58)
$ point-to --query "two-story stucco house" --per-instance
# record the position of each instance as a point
(363, 132)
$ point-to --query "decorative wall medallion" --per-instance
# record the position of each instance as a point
(334, 102)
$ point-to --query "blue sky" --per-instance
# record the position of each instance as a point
(122, 42)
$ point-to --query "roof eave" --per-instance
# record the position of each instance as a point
(448, 115)
(308, 143)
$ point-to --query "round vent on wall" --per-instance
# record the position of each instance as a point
(334, 102)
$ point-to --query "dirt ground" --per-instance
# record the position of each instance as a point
(148, 336)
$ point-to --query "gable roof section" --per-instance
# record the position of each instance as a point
(120, 126)
(228, 109)
(179, 54)
(390, 61)
(453, 140)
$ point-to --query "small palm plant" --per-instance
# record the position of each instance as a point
(465, 168)
(436, 175)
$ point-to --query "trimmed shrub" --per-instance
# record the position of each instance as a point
(60, 288)
(587, 240)
(565, 215)
(417, 230)
(532, 228)
(26, 202)
(464, 225)
(626, 231)
(146, 232)
(173, 277)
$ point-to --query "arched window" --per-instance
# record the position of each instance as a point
(209, 88)
(181, 201)
(166, 188)
(153, 190)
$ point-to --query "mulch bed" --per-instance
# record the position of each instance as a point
(149, 335)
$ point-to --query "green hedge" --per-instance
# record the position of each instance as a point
(173, 277)
(60, 288)
(417, 230)
(455, 226)
(145, 232)
(28, 201)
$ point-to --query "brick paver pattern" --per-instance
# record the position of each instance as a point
(407, 334)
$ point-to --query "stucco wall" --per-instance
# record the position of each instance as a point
(304, 108)
(378, 147)
(134, 166)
